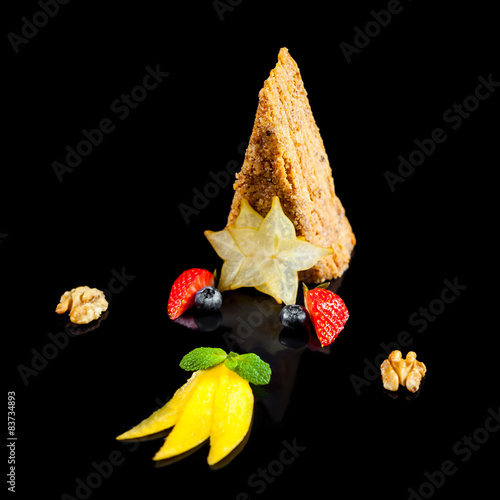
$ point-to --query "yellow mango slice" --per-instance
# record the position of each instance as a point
(168, 415)
(194, 425)
(215, 403)
(233, 410)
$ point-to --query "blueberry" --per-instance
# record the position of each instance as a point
(293, 316)
(208, 298)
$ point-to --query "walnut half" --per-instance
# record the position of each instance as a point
(84, 304)
(407, 372)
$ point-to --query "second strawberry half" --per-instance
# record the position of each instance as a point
(328, 313)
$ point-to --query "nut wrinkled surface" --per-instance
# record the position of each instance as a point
(84, 304)
(407, 372)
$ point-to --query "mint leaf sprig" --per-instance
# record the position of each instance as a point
(248, 366)
(202, 358)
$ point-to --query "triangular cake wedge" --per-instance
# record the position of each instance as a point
(286, 158)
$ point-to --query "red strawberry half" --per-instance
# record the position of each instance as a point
(184, 289)
(328, 313)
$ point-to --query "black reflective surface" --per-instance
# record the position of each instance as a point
(130, 216)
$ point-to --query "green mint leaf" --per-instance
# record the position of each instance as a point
(250, 367)
(202, 358)
(232, 361)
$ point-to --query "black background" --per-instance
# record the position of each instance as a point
(118, 212)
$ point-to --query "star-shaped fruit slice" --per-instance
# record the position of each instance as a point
(264, 253)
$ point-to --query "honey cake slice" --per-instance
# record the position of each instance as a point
(286, 158)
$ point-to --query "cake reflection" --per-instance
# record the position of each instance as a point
(250, 323)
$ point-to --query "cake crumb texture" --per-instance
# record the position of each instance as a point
(286, 158)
